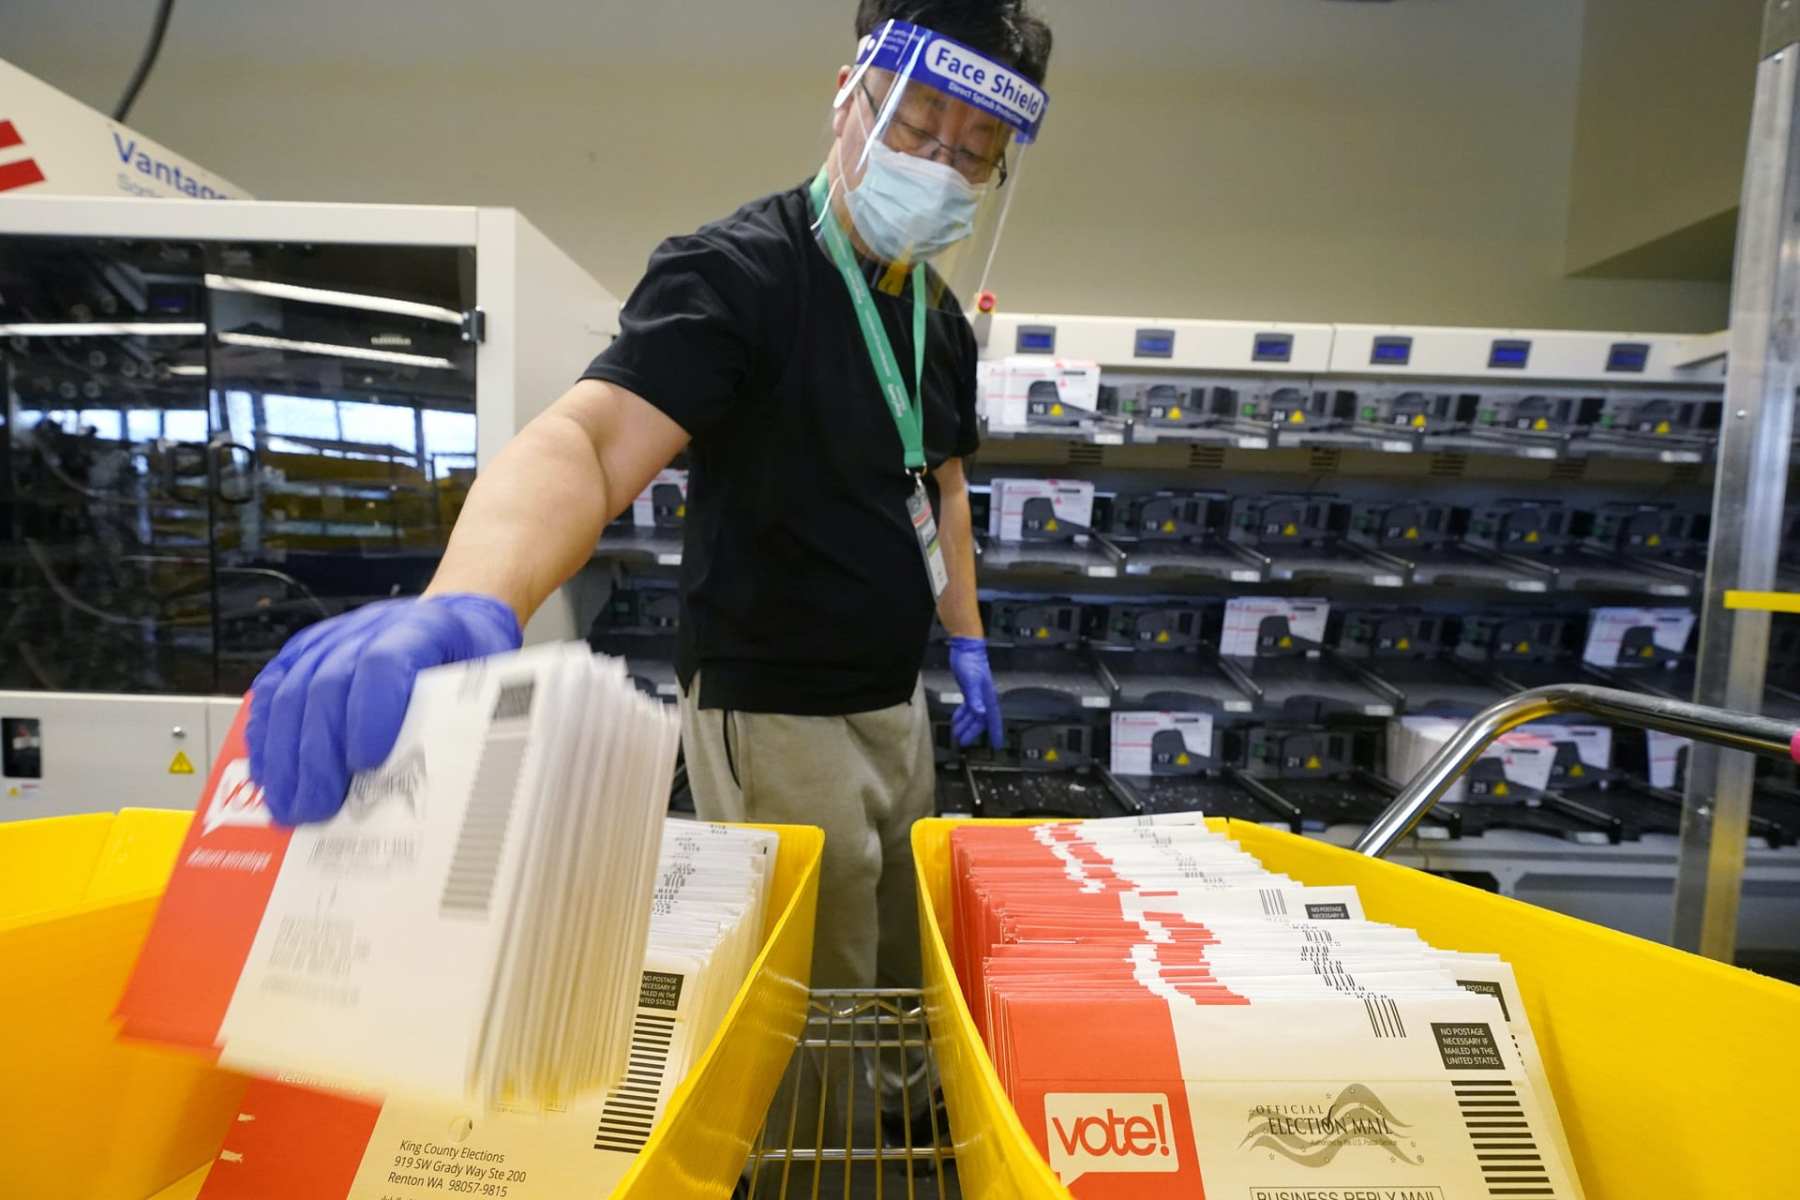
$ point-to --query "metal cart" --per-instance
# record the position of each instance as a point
(849, 1120)
(1737, 731)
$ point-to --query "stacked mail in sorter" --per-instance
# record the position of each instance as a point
(1170, 1019)
(464, 928)
(290, 1142)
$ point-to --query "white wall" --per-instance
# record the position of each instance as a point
(1301, 159)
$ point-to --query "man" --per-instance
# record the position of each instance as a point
(810, 355)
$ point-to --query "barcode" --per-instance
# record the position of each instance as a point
(1495, 1120)
(631, 1108)
(514, 701)
(469, 887)
(1333, 973)
(1384, 1016)
(1274, 903)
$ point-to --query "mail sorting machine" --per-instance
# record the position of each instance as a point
(222, 422)
(1218, 559)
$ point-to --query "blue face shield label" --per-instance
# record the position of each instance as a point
(918, 55)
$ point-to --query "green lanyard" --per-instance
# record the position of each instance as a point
(909, 415)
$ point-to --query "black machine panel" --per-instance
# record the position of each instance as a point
(180, 496)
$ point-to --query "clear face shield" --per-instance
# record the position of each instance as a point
(929, 139)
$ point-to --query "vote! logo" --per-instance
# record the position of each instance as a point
(19, 172)
(1119, 1133)
(237, 800)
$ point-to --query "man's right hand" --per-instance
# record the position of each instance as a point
(331, 702)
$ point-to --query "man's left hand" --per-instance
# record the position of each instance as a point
(980, 709)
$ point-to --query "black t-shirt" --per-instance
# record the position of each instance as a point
(802, 587)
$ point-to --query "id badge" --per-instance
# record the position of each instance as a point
(918, 507)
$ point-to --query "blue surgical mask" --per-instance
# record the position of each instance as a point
(909, 208)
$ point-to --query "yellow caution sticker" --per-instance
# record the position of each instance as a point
(1500, 789)
(1162, 636)
(1168, 526)
(1286, 642)
(1403, 644)
(1419, 421)
(1175, 414)
(1051, 755)
(1412, 533)
(681, 511)
(1050, 525)
(1647, 652)
(1181, 760)
(13, 793)
(1296, 417)
(1056, 410)
(1290, 529)
(1577, 771)
(1522, 648)
(1663, 427)
(180, 765)
(1540, 425)
(1313, 763)
(1654, 539)
(1531, 538)
(1043, 632)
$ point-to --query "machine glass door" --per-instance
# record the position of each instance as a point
(344, 399)
(106, 519)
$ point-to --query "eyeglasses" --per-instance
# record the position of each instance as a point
(908, 138)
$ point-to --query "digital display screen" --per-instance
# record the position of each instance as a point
(1628, 358)
(1391, 352)
(1037, 339)
(170, 300)
(1510, 355)
(1155, 343)
(1274, 347)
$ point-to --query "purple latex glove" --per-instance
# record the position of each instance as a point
(980, 710)
(330, 703)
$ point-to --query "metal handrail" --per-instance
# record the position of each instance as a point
(1739, 731)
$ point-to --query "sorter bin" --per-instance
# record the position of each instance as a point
(84, 1116)
(1673, 1073)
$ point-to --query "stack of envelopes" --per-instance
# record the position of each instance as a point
(1171, 1019)
(471, 925)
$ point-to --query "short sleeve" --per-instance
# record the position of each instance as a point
(688, 336)
(968, 422)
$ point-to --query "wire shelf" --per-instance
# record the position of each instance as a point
(859, 1112)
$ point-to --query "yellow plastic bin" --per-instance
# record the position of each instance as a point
(46, 865)
(1674, 1073)
(83, 1115)
(86, 1117)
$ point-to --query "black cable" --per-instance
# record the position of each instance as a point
(122, 109)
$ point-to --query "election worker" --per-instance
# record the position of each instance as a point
(810, 355)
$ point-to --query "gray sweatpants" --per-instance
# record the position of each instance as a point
(864, 779)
